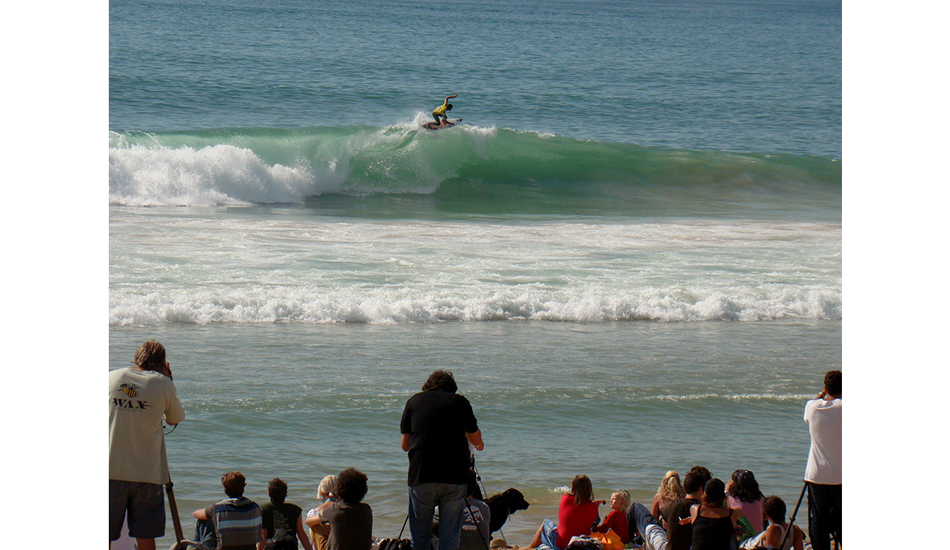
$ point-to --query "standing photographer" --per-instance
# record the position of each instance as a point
(140, 397)
(437, 427)
(823, 471)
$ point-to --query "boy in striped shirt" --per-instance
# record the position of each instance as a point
(235, 521)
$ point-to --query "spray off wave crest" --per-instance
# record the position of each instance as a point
(466, 164)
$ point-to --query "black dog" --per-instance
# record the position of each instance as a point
(503, 505)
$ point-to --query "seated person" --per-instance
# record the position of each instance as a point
(617, 518)
(350, 519)
(668, 491)
(476, 518)
(326, 492)
(673, 533)
(577, 515)
(745, 496)
(714, 523)
(775, 534)
(281, 521)
(233, 523)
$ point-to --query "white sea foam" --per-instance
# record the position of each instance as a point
(216, 304)
(209, 176)
(745, 397)
(299, 268)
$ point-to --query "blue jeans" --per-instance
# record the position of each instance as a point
(654, 537)
(423, 498)
(205, 534)
(549, 534)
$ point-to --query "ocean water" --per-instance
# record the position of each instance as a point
(629, 252)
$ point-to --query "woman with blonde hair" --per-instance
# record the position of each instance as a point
(669, 490)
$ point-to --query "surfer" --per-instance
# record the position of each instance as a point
(442, 109)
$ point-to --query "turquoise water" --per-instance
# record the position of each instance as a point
(629, 252)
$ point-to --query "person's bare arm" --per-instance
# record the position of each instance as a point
(199, 514)
(655, 509)
(451, 97)
(799, 539)
(312, 521)
(693, 514)
(317, 518)
(174, 413)
(476, 440)
(404, 441)
(302, 535)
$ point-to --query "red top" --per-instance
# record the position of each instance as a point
(574, 519)
(617, 521)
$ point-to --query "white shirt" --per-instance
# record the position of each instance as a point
(824, 457)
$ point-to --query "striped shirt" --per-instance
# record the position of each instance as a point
(237, 522)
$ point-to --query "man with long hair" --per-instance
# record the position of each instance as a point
(437, 427)
(140, 398)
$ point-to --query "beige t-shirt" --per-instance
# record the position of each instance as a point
(138, 400)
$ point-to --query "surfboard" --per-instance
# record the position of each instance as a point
(444, 124)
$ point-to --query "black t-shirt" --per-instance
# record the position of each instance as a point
(280, 521)
(438, 449)
(679, 537)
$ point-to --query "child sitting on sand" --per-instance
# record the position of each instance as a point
(319, 532)
(617, 518)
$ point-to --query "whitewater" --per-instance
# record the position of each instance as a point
(252, 268)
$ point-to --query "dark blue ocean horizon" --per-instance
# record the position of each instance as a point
(760, 76)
